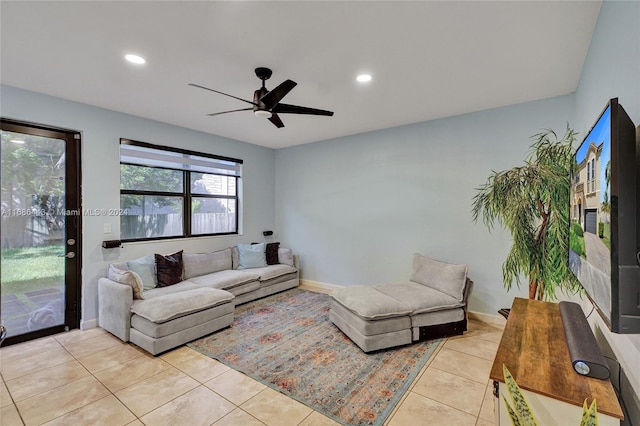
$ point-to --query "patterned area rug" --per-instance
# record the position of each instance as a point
(287, 342)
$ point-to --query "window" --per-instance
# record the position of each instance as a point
(171, 193)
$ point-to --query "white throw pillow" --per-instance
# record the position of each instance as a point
(285, 256)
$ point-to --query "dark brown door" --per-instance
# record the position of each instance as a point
(40, 230)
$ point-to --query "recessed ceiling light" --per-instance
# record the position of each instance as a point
(363, 78)
(135, 59)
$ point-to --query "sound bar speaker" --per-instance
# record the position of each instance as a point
(585, 354)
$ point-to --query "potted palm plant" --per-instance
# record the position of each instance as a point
(532, 202)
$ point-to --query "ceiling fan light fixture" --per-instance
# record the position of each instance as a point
(263, 113)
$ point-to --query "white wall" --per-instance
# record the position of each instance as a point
(101, 132)
(357, 208)
(612, 69)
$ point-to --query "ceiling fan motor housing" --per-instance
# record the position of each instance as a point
(259, 107)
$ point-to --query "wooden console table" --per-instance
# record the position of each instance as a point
(534, 349)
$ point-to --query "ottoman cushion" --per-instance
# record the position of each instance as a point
(420, 298)
(369, 303)
(368, 327)
(185, 322)
(165, 308)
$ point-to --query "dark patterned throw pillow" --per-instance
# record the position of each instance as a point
(169, 268)
(272, 253)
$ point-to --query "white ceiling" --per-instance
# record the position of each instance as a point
(428, 59)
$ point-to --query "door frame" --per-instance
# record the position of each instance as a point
(73, 222)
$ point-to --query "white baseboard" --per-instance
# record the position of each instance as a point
(488, 318)
(86, 325)
(318, 287)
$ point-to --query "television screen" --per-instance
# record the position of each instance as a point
(604, 221)
(590, 236)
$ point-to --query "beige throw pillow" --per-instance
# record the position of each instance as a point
(129, 278)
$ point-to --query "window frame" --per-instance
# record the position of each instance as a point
(186, 195)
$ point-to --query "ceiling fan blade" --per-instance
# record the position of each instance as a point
(272, 98)
(233, 110)
(222, 93)
(295, 109)
(276, 120)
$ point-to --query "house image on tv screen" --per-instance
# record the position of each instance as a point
(588, 206)
(591, 182)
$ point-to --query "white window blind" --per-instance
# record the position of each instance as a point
(154, 157)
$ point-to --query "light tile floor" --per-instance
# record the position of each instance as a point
(91, 378)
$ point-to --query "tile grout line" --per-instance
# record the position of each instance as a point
(418, 377)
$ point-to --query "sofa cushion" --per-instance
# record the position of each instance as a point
(185, 322)
(251, 256)
(196, 264)
(169, 268)
(145, 267)
(449, 278)
(129, 278)
(419, 298)
(163, 291)
(175, 305)
(225, 279)
(369, 303)
(273, 271)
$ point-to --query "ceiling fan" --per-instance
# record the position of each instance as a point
(267, 103)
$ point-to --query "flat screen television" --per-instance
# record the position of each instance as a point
(604, 244)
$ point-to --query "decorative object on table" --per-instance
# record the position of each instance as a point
(521, 413)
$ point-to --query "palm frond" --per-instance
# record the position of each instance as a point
(531, 201)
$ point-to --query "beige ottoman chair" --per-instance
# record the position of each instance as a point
(432, 304)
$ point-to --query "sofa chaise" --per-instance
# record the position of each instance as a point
(163, 301)
(432, 304)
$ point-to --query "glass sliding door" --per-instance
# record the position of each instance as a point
(40, 231)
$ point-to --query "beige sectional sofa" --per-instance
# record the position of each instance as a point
(158, 316)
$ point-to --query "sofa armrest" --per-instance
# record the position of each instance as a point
(114, 307)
